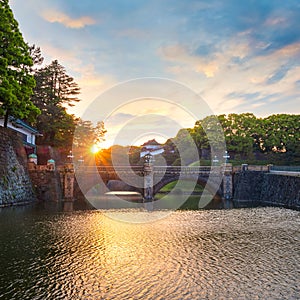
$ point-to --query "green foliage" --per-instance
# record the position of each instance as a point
(274, 139)
(186, 148)
(280, 133)
(16, 81)
(55, 90)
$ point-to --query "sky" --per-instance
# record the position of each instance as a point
(237, 56)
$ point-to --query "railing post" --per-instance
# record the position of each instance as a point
(227, 185)
(68, 186)
(148, 181)
(244, 167)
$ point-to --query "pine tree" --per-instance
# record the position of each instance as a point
(16, 82)
(54, 91)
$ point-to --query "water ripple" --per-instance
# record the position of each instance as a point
(232, 254)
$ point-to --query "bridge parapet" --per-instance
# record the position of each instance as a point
(286, 170)
(246, 167)
(181, 170)
(109, 169)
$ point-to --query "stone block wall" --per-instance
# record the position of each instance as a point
(46, 184)
(15, 183)
(252, 188)
(281, 190)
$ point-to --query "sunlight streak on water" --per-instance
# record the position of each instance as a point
(238, 254)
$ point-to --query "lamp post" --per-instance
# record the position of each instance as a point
(227, 181)
(70, 156)
(226, 156)
(148, 158)
(148, 181)
(215, 161)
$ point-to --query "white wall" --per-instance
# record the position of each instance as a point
(30, 136)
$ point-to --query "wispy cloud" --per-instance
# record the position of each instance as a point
(55, 16)
(249, 50)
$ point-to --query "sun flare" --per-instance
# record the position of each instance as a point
(95, 148)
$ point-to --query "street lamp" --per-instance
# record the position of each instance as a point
(226, 156)
(215, 161)
(148, 158)
(70, 156)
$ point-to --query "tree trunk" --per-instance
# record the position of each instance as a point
(6, 119)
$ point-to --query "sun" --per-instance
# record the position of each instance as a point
(95, 148)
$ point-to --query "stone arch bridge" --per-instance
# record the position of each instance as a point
(149, 179)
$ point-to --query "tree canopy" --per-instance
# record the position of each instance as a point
(55, 90)
(275, 138)
(87, 134)
(16, 80)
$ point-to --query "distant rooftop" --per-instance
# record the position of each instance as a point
(152, 143)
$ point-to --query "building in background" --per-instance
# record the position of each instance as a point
(24, 131)
(151, 147)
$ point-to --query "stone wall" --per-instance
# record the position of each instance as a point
(47, 184)
(253, 188)
(15, 184)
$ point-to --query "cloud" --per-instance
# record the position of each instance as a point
(209, 64)
(278, 74)
(236, 77)
(54, 16)
(250, 49)
(92, 84)
(180, 55)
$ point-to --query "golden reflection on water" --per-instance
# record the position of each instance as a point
(229, 254)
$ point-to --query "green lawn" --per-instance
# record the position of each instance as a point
(183, 185)
(192, 202)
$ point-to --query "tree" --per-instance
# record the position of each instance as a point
(239, 131)
(84, 134)
(87, 134)
(99, 132)
(54, 91)
(36, 55)
(208, 135)
(275, 139)
(55, 87)
(280, 133)
(16, 82)
(185, 147)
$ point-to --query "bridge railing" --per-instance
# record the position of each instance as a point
(285, 168)
(182, 169)
(259, 168)
(156, 169)
(109, 169)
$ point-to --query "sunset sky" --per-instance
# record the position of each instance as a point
(239, 56)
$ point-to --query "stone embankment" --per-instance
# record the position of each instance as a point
(15, 183)
(252, 188)
(46, 182)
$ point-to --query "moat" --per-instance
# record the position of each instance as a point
(212, 254)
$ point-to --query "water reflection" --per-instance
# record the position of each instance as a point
(238, 254)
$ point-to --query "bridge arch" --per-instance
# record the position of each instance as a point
(203, 181)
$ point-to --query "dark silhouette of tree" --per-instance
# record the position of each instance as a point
(55, 90)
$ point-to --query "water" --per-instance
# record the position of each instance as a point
(225, 254)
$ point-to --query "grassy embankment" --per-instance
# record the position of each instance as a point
(180, 188)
